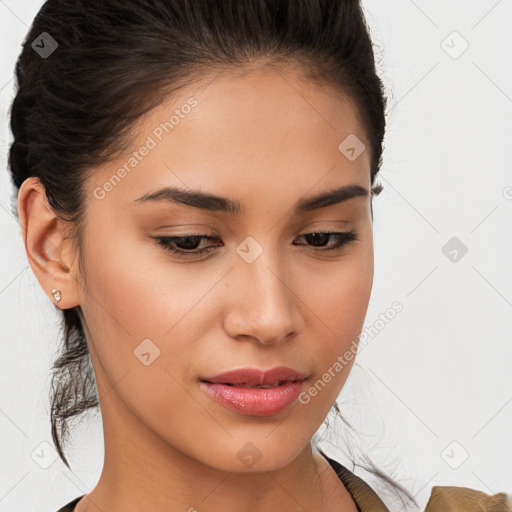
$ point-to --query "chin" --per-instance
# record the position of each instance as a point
(254, 457)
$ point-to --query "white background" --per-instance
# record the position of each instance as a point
(436, 376)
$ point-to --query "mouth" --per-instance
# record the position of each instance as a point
(256, 386)
(255, 399)
(256, 378)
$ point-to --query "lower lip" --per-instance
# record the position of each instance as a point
(255, 401)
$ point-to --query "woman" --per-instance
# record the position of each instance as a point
(195, 190)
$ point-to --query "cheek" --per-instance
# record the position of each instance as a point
(140, 316)
(138, 302)
(340, 308)
(131, 290)
(336, 303)
(338, 294)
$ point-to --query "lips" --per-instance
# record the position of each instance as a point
(253, 401)
(255, 378)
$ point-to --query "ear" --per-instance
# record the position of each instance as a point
(52, 256)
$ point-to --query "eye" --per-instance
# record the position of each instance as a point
(186, 246)
(319, 238)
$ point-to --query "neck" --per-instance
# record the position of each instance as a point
(143, 472)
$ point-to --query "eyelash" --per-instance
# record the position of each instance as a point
(344, 238)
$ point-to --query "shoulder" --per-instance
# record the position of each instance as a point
(442, 498)
(464, 499)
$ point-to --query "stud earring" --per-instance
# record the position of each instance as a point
(56, 294)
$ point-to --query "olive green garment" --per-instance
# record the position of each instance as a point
(442, 498)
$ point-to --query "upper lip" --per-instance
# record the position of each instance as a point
(256, 377)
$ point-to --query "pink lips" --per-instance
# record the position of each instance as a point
(230, 389)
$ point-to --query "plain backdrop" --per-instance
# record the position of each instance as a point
(431, 393)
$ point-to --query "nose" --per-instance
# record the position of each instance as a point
(263, 305)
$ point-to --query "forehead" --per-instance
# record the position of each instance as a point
(260, 104)
(263, 129)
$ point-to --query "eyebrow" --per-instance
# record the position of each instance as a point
(215, 203)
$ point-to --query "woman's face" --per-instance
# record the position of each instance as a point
(264, 294)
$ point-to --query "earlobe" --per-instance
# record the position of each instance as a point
(44, 239)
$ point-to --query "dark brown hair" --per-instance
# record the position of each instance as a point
(116, 60)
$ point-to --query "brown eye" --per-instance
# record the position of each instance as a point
(185, 245)
(318, 240)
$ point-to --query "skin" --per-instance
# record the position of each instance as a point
(265, 138)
